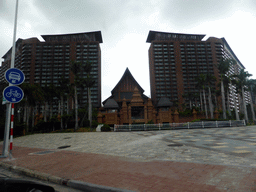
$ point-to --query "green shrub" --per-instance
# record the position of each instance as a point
(196, 120)
(94, 124)
(150, 122)
(185, 113)
(105, 128)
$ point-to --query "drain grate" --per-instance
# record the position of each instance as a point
(63, 147)
(42, 152)
(175, 145)
(67, 138)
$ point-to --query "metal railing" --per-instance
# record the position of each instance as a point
(171, 126)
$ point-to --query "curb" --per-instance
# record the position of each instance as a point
(80, 185)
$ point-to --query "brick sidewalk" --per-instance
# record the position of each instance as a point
(127, 173)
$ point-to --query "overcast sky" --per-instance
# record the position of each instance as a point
(125, 24)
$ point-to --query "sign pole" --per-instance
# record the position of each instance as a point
(14, 35)
(6, 131)
(6, 134)
(11, 135)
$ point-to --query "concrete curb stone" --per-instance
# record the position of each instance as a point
(89, 187)
(80, 185)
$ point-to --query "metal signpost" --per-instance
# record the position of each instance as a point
(14, 94)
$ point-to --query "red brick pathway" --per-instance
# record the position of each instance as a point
(138, 176)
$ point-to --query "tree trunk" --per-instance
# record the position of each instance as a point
(25, 115)
(201, 100)
(235, 107)
(216, 104)
(45, 111)
(61, 112)
(223, 101)
(67, 105)
(33, 117)
(28, 114)
(51, 111)
(76, 109)
(244, 104)
(210, 102)
(90, 107)
(206, 112)
(252, 108)
(228, 103)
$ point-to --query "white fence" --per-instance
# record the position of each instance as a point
(170, 126)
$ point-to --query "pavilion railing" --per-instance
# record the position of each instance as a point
(171, 126)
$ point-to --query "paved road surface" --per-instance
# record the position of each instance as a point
(220, 159)
(221, 146)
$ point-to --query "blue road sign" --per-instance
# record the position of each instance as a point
(13, 94)
(14, 76)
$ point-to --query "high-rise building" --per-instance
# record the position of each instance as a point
(45, 62)
(175, 60)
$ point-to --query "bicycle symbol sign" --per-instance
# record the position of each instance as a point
(13, 94)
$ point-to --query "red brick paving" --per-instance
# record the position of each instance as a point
(133, 175)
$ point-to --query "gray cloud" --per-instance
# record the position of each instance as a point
(185, 13)
(125, 23)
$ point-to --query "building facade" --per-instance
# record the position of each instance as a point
(45, 62)
(128, 105)
(176, 60)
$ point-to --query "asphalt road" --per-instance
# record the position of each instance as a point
(58, 188)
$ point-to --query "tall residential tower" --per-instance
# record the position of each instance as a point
(45, 62)
(176, 59)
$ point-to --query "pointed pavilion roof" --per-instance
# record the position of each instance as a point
(127, 73)
(164, 102)
(124, 89)
(111, 104)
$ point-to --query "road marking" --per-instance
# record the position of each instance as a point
(217, 147)
(221, 143)
(241, 147)
(252, 143)
(241, 151)
(209, 140)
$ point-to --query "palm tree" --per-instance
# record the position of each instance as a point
(62, 89)
(223, 66)
(234, 99)
(209, 79)
(89, 82)
(241, 81)
(29, 98)
(201, 79)
(50, 92)
(251, 84)
(190, 96)
(215, 95)
(38, 95)
(75, 67)
(199, 86)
